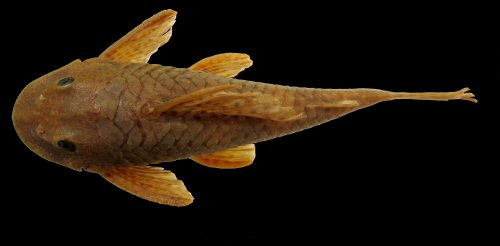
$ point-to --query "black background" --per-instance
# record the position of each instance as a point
(403, 170)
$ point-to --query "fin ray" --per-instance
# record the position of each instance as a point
(192, 97)
(151, 183)
(237, 157)
(226, 64)
(139, 44)
(339, 104)
(218, 100)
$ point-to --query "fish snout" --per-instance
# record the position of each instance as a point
(24, 116)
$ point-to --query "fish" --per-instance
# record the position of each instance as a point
(117, 115)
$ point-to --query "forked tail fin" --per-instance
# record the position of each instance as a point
(462, 94)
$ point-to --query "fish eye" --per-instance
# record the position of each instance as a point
(66, 81)
(67, 145)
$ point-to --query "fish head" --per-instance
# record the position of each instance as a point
(55, 116)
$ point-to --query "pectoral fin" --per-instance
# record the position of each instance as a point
(226, 65)
(150, 183)
(144, 40)
(237, 157)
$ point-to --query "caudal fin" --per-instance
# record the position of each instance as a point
(462, 94)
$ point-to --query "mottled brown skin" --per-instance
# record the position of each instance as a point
(120, 112)
(103, 112)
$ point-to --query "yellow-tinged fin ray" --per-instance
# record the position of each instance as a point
(144, 40)
(218, 100)
(339, 104)
(237, 157)
(463, 94)
(151, 183)
(192, 97)
(226, 64)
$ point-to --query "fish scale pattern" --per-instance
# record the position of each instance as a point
(144, 139)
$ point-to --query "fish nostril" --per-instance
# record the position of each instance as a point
(66, 81)
(67, 145)
(40, 130)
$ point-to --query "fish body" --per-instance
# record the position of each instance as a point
(116, 114)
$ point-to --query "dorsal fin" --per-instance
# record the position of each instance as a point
(221, 100)
(144, 40)
(172, 103)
